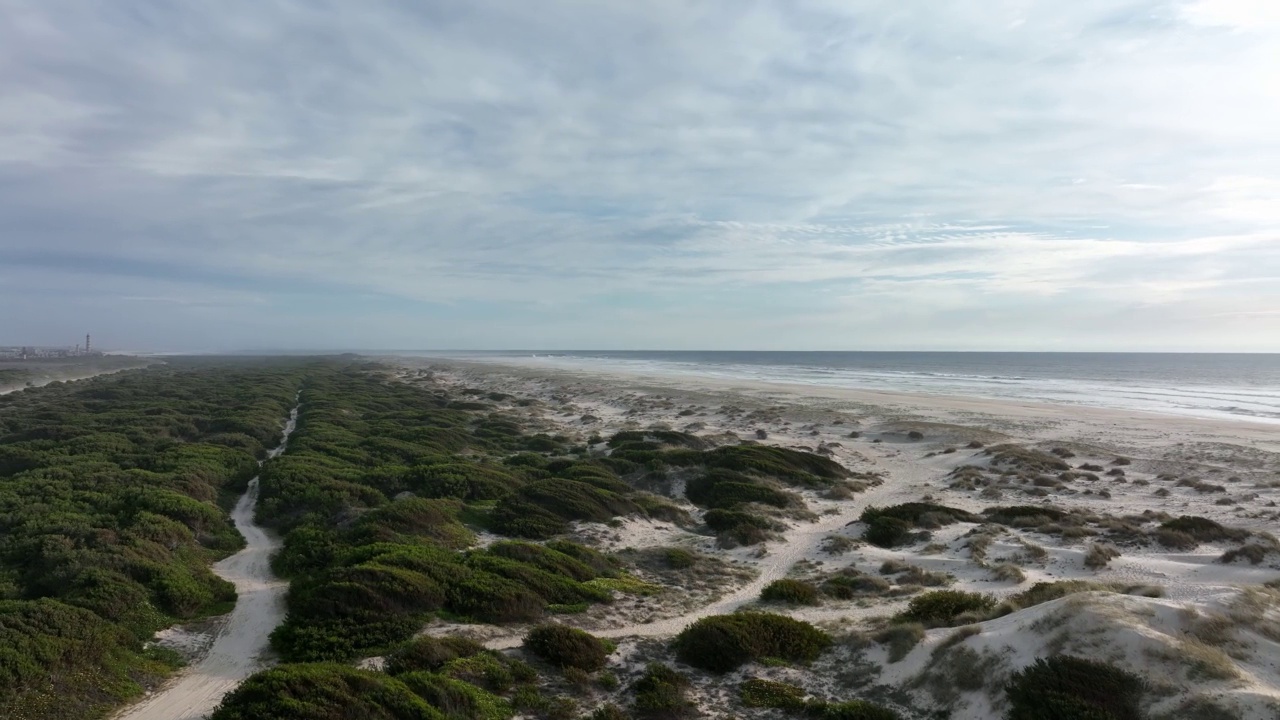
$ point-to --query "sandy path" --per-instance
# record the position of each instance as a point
(798, 543)
(239, 649)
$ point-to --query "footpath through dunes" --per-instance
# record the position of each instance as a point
(240, 647)
(798, 543)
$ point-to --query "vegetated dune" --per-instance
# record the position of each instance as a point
(242, 643)
(111, 499)
(16, 375)
(1108, 503)
(1222, 656)
(895, 561)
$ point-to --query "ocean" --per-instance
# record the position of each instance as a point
(1220, 386)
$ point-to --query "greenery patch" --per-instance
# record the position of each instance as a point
(721, 643)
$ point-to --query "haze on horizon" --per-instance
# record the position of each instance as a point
(780, 174)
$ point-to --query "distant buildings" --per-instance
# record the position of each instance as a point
(29, 352)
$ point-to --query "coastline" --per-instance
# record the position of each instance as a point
(1070, 419)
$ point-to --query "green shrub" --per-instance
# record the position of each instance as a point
(725, 520)
(567, 647)
(678, 558)
(1069, 688)
(790, 466)
(1252, 552)
(744, 528)
(662, 694)
(599, 563)
(547, 558)
(490, 670)
(430, 653)
(551, 587)
(721, 488)
(919, 514)
(849, 586)
(544, 508)
(942, 608)
(792, 592)
(456, 699)
(41, 641)
(760, 693)
(462, 479)
(657, 438)
(307, 549)
(1025, 458)
(888, 532)
(721, 643)
(1175, 539)
(488, 597)
(1204, 529)
(306, 692)
(900, 639)
(1023, 515)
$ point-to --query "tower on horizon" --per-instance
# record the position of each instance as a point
(86, 344)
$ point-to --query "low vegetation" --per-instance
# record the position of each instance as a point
(365, 584)
(740, 527)
(1188, 531)
(759, 693)
(897, 525)
(304, 692)
(567, 647)
(848, 584)
(113, 498)
(1069, 687)
(430, 653)
(790, 592)
(721, 643)
(900, 638)
(945, 608)
(1098, 555)
(662, 693)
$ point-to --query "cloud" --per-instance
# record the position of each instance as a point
(422, 171)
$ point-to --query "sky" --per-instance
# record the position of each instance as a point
(612, 174)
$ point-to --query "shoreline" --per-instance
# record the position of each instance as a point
(960, 409)
(1250, 392)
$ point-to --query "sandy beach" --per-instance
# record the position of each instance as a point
(1121, 475)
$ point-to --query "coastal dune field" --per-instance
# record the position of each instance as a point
(426, 538)
(1139, 539)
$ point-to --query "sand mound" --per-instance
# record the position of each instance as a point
(1224, 650)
